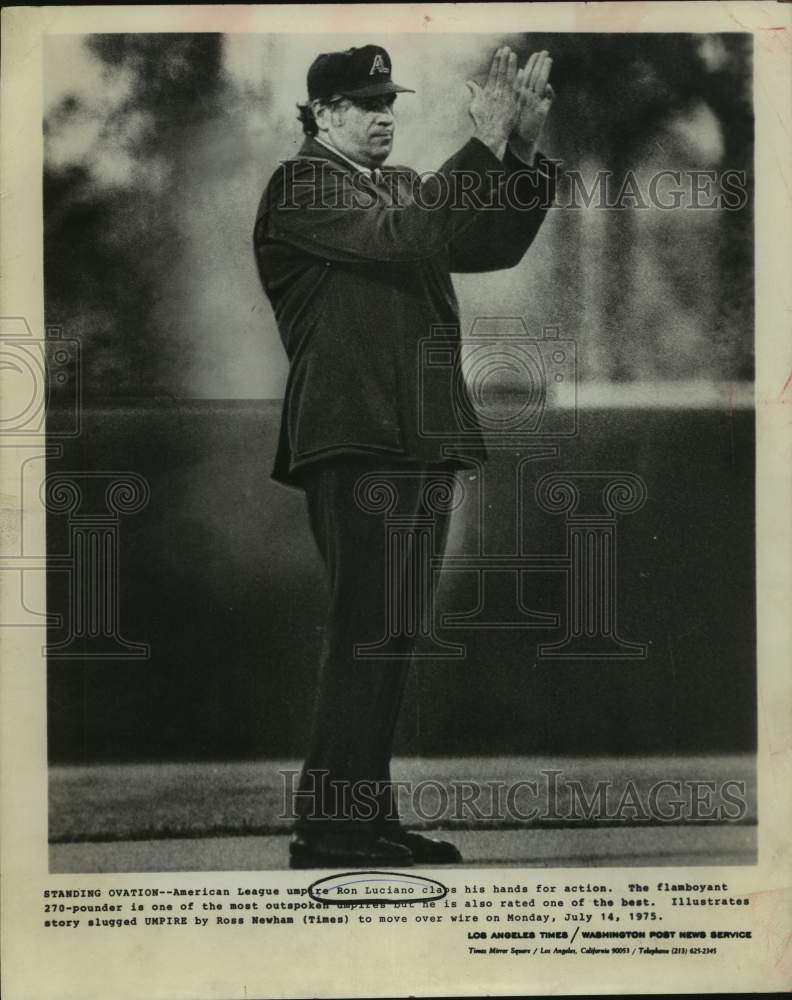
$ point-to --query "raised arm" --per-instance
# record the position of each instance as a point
(499, 238)
(322, 213)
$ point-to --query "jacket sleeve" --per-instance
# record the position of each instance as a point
(500, 236)
(323, 212)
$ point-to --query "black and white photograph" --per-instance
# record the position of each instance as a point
(490, 406)
(383, 493)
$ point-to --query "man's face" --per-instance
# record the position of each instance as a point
(361, 129)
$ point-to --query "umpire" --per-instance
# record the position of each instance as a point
(357, 267)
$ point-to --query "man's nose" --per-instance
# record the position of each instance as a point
(385, 116)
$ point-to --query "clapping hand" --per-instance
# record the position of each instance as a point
(535, 100)
(495, 107)
(513, 104)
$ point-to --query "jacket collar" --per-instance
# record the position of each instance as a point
(313, 149)
(353, 163)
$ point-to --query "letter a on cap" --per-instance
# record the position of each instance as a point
(378, 66)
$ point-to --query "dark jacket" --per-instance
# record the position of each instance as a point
(358, 274)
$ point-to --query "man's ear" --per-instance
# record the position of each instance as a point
(321, 113)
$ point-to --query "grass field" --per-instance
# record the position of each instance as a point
(136, 802)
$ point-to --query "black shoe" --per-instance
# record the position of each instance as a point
(426, 849)
(341, 850)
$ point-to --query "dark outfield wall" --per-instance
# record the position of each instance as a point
(219, 575)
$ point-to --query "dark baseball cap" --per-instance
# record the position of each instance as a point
(364, 72)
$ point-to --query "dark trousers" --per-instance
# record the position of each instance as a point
(345, 782)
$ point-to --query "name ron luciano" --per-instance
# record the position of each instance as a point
(373, 890)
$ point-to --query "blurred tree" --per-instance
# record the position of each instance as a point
(615, 95)
(108, 243)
